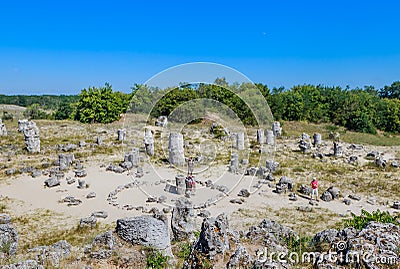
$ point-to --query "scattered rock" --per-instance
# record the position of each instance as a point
(355, 197)
(240, 259)
(80, 173)
(100, 214)
(347, 201)
(82, 184)
(237, 201)
(244, 193)
(304, 209)
(88, 222)
(52, 182)
(162, 121)
(91, 195)
(102, 246)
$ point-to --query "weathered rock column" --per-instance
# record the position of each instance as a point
(22, 125)
(32, 138)
(317, 139)
(260, 136)
(3, 129)
(337, 149)
(149, 142)
(121, 134)
(180, 184)
(175, 149)
(234, 164)
(277, 129)
(182, 220)
(240, 141)
(270, 137)
(132, 157)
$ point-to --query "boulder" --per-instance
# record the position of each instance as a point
(277, 129)
(100, 214)
(317, 139)
(102, 246)
(80, 173)
(121, 134)
(271, 165)
(326, 196)
(306, 190)
(162, 121)
(144, 230)
(3, 129)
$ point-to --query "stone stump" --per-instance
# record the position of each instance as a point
(31, 136)
(22, 124)
(277, 129)
(270, 137)
(317, 139)
(180, 184)
(240, 141)
(305, 143)
(162, 121)
(121, 134)
(260, 136)
(175, 149)
(337, 149)
(149, 142)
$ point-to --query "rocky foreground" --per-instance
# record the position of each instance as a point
(134, 241)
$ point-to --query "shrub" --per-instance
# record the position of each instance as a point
(360, 221)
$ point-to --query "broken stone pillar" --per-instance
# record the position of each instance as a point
(22, 125)
(270, 137)
(180, 184)
(260, 136)
(132, 157)
(234, 163)
(305, 143)
(121, 134)
(182, 220)
(277, 129)
(31, 136)
(337, 149)
(240, 141)
(3, 130)
(149, 142)
(317, 139)
(175, 148)
(65, 160)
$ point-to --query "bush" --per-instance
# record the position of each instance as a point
(156, 260)
(359, 222)
(35, 112)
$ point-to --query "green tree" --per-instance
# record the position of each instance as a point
(100, 105)
(392, 91)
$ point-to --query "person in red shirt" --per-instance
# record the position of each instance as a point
(314, 188)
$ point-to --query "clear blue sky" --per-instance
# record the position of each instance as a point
(64, 46)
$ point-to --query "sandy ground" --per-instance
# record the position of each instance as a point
(29, 194)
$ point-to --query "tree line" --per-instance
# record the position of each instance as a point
(360, 109)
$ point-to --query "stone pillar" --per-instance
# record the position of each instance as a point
(317, 139)
(234, 163)
(180, 184)
(260, 136)
(121, 134)
(240, 141)
(175, 149)
(277, 129)
(3, 130)
(32, 138)
(337, 149)
(149, 142)
(271, 165)
(270, 137)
